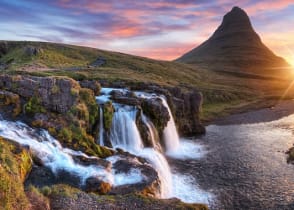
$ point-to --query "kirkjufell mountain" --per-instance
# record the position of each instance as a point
(235, 43)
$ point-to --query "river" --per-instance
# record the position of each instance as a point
(245, 166)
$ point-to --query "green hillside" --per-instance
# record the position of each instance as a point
(222, 90)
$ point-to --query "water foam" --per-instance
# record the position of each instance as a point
(57, 158)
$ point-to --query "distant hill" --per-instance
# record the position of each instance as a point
(235, 44)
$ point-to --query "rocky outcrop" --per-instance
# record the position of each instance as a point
(10, 103)
(156, 112)
(54, 93)
(3, 48)
(92, 85)
(185, 104)
(32, 51)
(59, 105)
(186, 108)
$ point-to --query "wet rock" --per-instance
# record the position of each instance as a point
(87, 161)
(92, 85)
(41, 176)
(150, 184)
(144, 132)
(127, 98)
(127, 101)
(157, 113)
(95, 184)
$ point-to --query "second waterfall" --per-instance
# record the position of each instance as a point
(124, 134)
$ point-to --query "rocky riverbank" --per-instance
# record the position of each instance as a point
(68, 110)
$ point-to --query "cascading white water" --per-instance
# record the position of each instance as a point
(49, 150)
(101, 127)
(172, 184)
(170, 134)
(153, 132)
(125, 134)
(55, 157)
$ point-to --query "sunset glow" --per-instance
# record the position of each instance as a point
(157, 29)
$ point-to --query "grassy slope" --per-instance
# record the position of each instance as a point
(221, 90)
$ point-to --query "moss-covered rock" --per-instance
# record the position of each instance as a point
(15, 164)
(91, 84)
(33, 106)
(8, 99)
(59, 105)
(107, 115)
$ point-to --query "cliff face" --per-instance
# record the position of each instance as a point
(58, 104)
(235, 44)
(56, 94)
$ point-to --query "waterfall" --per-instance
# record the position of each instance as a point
(101, 127)
(170, 134)
(50, 151)
(125, 134)
(57, 158)
(153, 132)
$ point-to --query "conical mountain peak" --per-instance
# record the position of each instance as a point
(234, 44)
(235, 21)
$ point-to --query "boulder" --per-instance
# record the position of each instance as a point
(150, 184)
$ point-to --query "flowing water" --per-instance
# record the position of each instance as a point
(101, 127)
(245, 166)
(125, 134)
(170, 134)
(57, 158)
(231, 167)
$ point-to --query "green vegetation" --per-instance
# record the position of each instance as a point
(222, 87)
(34, 106)
(15, 164)
(88, 97)
(107, 115)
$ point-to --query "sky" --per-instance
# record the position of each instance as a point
(159, 29)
